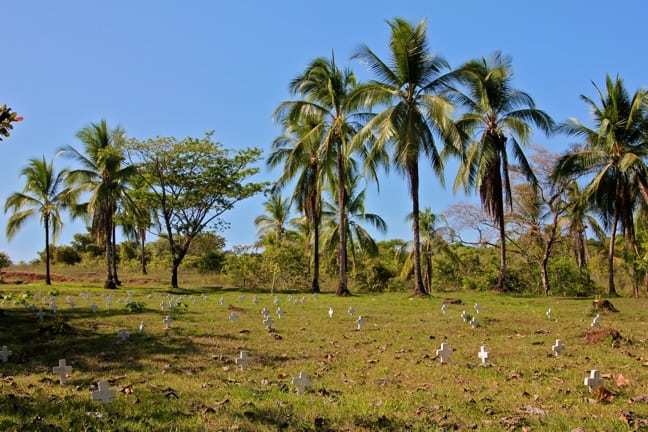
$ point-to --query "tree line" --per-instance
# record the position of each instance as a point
(416, 113)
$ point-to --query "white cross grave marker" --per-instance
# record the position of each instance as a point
(549, 314)
(474, 323)
(444, 308)
(167, 322)
(62, 370)
(444, 353)
(40, 314)
(301, 382)
(5, 353)
(221, 301)
(477, 308)
(93, 307)
(54, 307)
(103, 394)
(361, 322)
(595, 321)
(557, 348)
(464, 316)
(123, 335)
(594, 381)
(483, 354)
(255, 300)
(268, 321)
(265, 312)
(280, 312)
(243, 360)
(141, 327)
(330, 312)
(351, 310)
(233, 317)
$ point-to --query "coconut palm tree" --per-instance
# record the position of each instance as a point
(272, 224)
(498, 121)
(105, 176)
(408, 88)
(297, 151)
(613, 153)
(331, 113)
(44, 193)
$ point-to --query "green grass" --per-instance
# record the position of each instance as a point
(385, 377)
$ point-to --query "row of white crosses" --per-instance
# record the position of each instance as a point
(445, 351)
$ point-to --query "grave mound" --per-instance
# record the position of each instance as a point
(605, 305)
(599, 335)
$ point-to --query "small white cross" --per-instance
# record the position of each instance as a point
(162, 305)
(351, 310)
(123, 335)
(360, 321)
(483, 354)
(557, 348)
(255, 300)
(301, 382)
(93, 307)
(103, 394)
(550, 314)
(477, 307)
(54, 307)
(221, 301)
(594, 381)
(233, 317)
(72, 304)
(595, 321)
(474, 323)
(464, 316)
(444, 308)
(62, 370)
(268, 321)
(276, 301)
(167, 322)
(40, 314)
(141, 327)
(5, 353)
(241, 298)
(330, 312)
(243, 360)
(314, 296)
(265, 312)
(280, 312)
(444, 353)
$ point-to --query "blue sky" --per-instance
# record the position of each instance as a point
(169, 68)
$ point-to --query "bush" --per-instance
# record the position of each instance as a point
(4, 260)
(66, 255)
(210, 261)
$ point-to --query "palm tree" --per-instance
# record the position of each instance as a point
(354, 231)
(272, 224)
(298, 151)
(613, 153)
(576, 220)
(408, 87)
(327, 106)
(497, 116)
(44, 193)
(105, 177)
(432, 242)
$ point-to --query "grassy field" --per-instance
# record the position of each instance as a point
(383, 377)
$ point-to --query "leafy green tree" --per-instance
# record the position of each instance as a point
(6, 119)
(43, 194)
(297, 151)
(613, 155)
(409, 87)
(332, 114)
(192, 183)
(497, 119)
(104, 175)
(5, 261)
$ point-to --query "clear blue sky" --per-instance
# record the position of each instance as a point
(171, 68)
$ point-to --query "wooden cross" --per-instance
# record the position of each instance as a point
(243, 360)
(594, 381)
(62, 370)
(103, 394)
(483, 354)
(444, 353)
(301, 382)
(557, 348)
(5, 353)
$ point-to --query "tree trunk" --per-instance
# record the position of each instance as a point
(48, 279)
(109, 283)
(501, 280)
(316, 263)
(114, 255)
(342, 289)
(419, 288)
(611, 289)
(142, 240)
(174, 274)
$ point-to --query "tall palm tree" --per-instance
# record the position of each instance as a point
(498, 119)
(432, 242)
(104, 175)
(298, 152)
(576, 220)
(408, 87)
(272, 224)
(354, 231)
(44, 193)
(613, 152)
(327, 105)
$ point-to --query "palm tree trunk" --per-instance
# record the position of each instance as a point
(109, 282)
(316, 264)
(342, 289)
(611, 289)
(114, 255)
(142, 241)
(501, 281)
(48, 280)
(419, 288)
